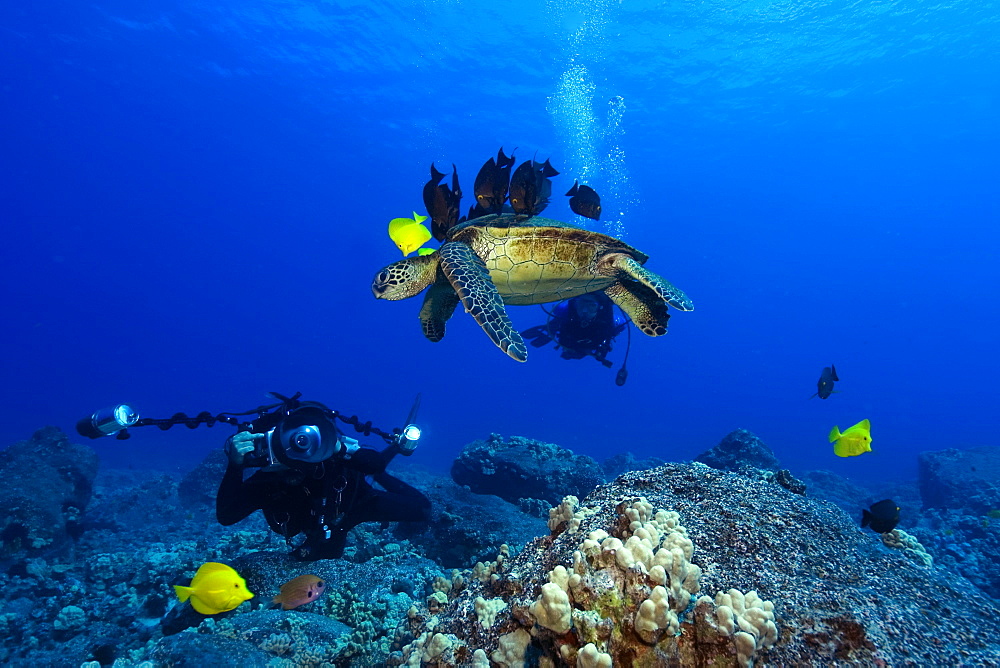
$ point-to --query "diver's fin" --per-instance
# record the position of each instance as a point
(833, 371)
(539, 336)
(468, 275)
(439, 305)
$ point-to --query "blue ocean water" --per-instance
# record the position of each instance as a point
(195, 195)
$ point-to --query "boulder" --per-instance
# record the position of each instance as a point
(738, 450)
(523, 468)
(48, 483)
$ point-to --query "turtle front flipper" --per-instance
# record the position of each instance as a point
(439, 304)
(467, 274)
(641, 305)
(626, 267)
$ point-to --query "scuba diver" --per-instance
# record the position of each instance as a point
(314, 482)
(582, 326)
(311, 479)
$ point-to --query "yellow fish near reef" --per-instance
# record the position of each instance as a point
(409, 234)
(215, 588)
(857, 440)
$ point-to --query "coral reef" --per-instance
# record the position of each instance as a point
(836, 594)
(47, 486)
(911, 547)
(967, 480)
(678, 564)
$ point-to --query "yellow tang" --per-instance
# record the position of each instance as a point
(215, 588)
(857, 440)
(408, 233)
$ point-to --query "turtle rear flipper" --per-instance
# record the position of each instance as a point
(439, 305)
(467, 274)
(641, 305)
(626, 266)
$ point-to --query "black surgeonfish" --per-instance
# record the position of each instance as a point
(475, 211)
(882, 517)
(442, 202)
(824, 387)
(492, 184)
(584, 201)
(530, 187)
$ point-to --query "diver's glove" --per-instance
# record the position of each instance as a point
(239, 444)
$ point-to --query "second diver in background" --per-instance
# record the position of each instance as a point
(583, 326)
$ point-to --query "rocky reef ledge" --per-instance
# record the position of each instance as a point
(687, 565)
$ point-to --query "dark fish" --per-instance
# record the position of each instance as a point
(882, 517)
(530, 187)
(585, 201)
(826, 380)
(442, 202)
(492, 183)
(299, 591)
(475, 212)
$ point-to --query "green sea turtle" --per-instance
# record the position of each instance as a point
(504, 258)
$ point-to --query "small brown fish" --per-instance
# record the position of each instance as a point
(299, 591)
(824, 387)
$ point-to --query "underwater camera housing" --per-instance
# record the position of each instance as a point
(297, 433)
(304, 434)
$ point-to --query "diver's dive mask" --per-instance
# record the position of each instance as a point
(586, 308)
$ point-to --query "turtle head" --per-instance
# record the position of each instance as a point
(405, 278)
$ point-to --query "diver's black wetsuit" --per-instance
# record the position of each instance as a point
(594, 338)
(334, 492)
